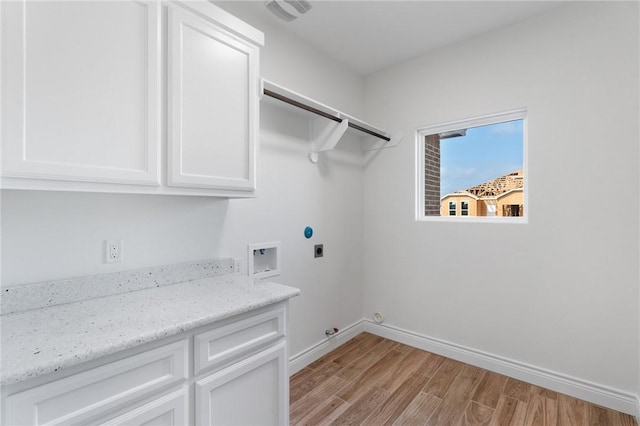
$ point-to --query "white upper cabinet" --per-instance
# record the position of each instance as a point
(213, 104)
(81, 91)
(86, 87)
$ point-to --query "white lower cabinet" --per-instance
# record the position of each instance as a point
(242, 380)
(252, 392)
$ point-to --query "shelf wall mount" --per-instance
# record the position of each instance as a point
(325, 135)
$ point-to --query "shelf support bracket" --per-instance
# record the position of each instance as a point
(325, 135)
(378, 144)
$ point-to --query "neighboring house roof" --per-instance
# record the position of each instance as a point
(509, 192)
(462, 193)
(495, 187)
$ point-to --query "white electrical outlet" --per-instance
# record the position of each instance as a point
(237, 265)
(112, 251)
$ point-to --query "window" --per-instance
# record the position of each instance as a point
(464, 208)
(512, 210)
(478, 163)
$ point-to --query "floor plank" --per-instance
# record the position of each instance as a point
(542, 411)
(458, 397)
(359, 365)
(431, 364)
(325, 413)
(490, 388)
(517, 389)
(362, 340)
(405, 368)
(598, 415)
(399, 400)
(571, 411)
(443, 378)
(310, 401)
(361, 349)
(537, 390)
(509, 412)
(362, 407)
(306, 380)
(371, 377)
(375, 381)
(476, 415)
(418, 411)
(622, 419)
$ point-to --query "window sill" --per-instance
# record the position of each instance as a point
(474, 219)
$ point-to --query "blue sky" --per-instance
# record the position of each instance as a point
(485, 153)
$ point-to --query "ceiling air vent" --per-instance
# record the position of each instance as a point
(288, 10)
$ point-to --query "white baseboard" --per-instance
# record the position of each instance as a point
(300, 360)
(638, 409)
(578, 388)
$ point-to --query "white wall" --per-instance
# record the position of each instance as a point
(560, 292)
(47, 236)
(294, 193)
(56, 235)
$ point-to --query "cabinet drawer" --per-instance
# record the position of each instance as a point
(169, 410)
(76, 398)
(217, 347)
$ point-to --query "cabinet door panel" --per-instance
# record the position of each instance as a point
(251, 392)
(213, 121)
(80, 90)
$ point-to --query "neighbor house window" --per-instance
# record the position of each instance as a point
(481, 160)
(512, 210)
(452, 208)
(464, 208)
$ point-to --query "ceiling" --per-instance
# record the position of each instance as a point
(370, 35)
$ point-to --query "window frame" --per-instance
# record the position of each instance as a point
(455, 208)
(467, 123)
(463, 211)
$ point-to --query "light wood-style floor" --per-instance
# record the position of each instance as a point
(374, 381)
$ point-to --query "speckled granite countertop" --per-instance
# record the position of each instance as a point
(48, 339)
